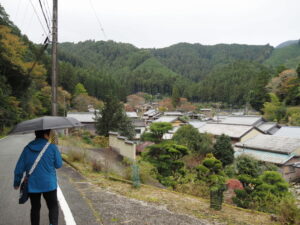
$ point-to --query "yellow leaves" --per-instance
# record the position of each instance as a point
(13, 49)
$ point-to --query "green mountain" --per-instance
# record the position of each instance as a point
(289, 56)
(287, 43)
(196, 61)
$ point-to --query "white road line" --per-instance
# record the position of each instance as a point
(69, 219)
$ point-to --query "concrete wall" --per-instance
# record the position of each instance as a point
(123, 146)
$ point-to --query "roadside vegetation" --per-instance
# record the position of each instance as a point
(197, 167)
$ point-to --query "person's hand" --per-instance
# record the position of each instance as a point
(16, 187)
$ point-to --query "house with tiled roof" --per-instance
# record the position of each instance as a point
(282, 151)
(236, 132)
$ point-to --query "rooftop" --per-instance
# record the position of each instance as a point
(196, 123)
(83, 117)
(231, 130)
(168, 119)
(265, 156)
(292, 132)
(272, 143)
(173, 113)
(241, 120)
(132, 114)
(268, 127)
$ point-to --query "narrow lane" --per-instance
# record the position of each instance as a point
(11, 213)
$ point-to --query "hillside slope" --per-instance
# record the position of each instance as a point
(288, 56)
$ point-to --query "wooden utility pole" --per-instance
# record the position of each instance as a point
(54, 60)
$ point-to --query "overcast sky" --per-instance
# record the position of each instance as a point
(161, 23)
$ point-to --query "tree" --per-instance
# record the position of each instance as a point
(190, 137)
(112, 117)
(166, 157)
(262, 193)
(298, 70)
(223, 150)
(274, 110)
(80, 89)
(81, 102)
(175, 97)
(157, 130)
(211, 171)
(247, 165)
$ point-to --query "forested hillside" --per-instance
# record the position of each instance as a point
(196, 61)
(288, 56)
(232, 74)
(20, 82)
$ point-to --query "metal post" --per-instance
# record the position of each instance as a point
(54, 60)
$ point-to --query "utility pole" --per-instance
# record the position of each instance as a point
(54, 60)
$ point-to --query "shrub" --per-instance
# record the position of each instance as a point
(288, 212)
(96, 165)
(101, 141)
(76, 156)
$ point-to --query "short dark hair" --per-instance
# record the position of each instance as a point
(41, 133)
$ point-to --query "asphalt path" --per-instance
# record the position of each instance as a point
(11, 213)
(88, 203)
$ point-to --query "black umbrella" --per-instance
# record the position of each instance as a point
(45, 123)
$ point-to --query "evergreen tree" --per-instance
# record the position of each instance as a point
(175, 97)
(113, 118)
(157, 130)
(190, 137)
(298, 70)
(223, 150)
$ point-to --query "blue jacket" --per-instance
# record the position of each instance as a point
(43, 178)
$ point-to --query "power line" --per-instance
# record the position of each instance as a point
(46, 20)
(45, 32)
(47, 10)
(98, 20)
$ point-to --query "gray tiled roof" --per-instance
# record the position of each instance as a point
(231, 130)
(168, 119)
(272, 143)
(265, 156)
(242, 120)
(83, 117)
(292, 132)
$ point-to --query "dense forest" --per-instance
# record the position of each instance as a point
(232, 74)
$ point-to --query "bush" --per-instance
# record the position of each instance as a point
(101, 141)
(76, 156)
(288, 212)
(96, 165)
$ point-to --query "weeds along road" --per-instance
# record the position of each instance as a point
(86, 202)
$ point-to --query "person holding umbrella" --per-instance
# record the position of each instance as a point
(43, 180)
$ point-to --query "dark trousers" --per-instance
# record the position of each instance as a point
(52, 204)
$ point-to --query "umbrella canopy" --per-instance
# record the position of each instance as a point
(45, 123)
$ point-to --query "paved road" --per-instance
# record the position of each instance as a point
(89, 204)
(11, 213)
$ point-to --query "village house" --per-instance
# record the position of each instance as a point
(237, 133)
(86, 118)
(255, 121)
(282, 151)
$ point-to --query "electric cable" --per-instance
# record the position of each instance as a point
(46, 20)
(45, 32)
(47, 10)
(98, 20)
